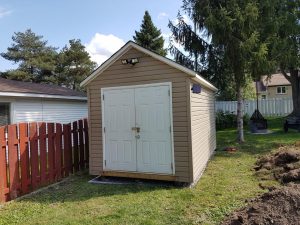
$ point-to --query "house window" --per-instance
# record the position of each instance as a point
(281, 90)
(4, 114)
(263, 97)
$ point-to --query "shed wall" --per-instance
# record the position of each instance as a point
(203, 130)
(147, 71)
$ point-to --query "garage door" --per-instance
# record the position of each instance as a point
(137, 129)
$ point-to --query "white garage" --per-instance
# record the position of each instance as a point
(28, 102)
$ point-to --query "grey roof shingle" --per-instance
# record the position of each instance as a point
(35, 88)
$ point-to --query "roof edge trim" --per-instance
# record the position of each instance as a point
(30, 95)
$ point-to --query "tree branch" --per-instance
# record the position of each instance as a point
(285, 74)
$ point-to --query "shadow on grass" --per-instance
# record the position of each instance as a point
(77, 189)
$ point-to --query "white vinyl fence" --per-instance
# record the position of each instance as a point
(268, 107)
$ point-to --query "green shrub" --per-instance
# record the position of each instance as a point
(228, 120)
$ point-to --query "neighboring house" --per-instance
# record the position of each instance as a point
(275, 86)
(149, 118)
(27, 102)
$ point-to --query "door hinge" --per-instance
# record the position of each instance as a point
(172, 166)
(104, 162)
(104, 129)
(103, 97)
(170, 129)
(169, 92)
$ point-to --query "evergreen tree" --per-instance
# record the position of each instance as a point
(149, 36)
(199, 52)
(284, 36)
(74, 65)
(36, 60)
(205, 58)
(230, 42)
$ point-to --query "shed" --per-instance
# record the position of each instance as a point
(149, 117)
(28, 102)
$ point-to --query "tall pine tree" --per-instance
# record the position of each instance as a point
(149, 36)
(230, 40)
(285, 43)
(35, 58)
(73, 65)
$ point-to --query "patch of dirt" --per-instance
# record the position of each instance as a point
(278, 207)
(283, 165)
(230, 149)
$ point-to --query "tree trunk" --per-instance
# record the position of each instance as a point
(240, 122)
(295, 82)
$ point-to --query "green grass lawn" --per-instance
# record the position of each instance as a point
(226, 183)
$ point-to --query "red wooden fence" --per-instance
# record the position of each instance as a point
(35, 154)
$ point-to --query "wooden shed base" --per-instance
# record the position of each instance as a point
(139, 175)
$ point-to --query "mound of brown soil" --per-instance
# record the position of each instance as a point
(278, 207)
(283, 165)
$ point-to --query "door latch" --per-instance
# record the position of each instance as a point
(137, 129)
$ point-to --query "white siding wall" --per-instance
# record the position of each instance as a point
(60, 111)
(267, 107)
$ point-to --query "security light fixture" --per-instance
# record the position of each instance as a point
(124, 61)
(131, 61)
(134, 61)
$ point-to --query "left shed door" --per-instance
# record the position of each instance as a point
(119, 139)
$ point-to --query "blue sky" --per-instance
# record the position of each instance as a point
(102, 26)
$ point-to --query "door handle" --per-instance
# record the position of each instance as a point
(137, 129)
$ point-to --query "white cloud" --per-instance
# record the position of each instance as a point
(102, 46)
(4, 12)
(162, 15)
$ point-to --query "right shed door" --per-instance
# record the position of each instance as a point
(154, 150)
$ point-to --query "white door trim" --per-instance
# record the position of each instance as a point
(132, 87)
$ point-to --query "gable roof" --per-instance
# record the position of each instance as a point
(131, 44)
(27, 89)
(275, 80)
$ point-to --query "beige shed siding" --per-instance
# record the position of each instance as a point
(147, 71)
(203, 132)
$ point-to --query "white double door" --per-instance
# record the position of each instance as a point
(137, 129)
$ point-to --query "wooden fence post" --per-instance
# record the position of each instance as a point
(75, 147)
(3, 167)
(58, 151)
(43, 153)
(34, 155)
(51, 163)
(24, 158)
(68, 161)
(81, 144)
(86, 143)
(13, 162)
